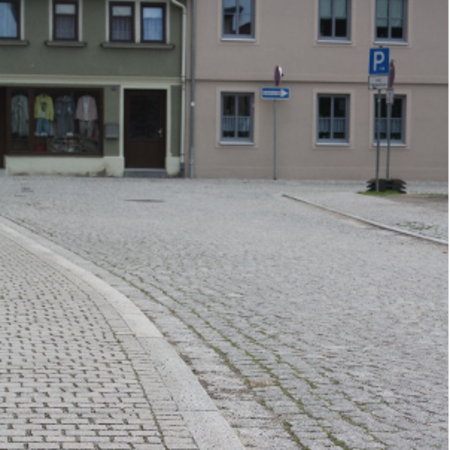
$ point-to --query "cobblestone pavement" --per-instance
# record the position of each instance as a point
(308, 329)
(82, 368)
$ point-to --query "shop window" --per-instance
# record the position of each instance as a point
(55, 121)
(238, 19)
(237, 117)
(10, 19)
(65, 21)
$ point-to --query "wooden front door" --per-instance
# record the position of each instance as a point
(3, 123)
(145, 129)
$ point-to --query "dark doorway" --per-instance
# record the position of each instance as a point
(3, 122)
(145, 129)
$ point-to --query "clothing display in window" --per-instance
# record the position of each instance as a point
(65, 115)
(19, 116)
(87, 114)
(44, 114)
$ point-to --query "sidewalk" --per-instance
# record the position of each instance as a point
(82, 368)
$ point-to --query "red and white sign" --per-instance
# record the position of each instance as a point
(277, 75)
(391, 74)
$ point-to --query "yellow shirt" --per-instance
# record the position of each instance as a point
(43, 107)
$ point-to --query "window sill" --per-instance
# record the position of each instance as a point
(236, 144)
(249, 40)
(13, 43)
(49, 154)
(334, 41)
(139, 46)
(74, 44)
(332, 145)
(392, 145)
(391, 42)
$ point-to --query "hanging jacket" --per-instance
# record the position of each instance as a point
(46, 101)
(19, 115)
(87, 114)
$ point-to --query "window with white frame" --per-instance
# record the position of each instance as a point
(153, 22)
(237, 117)
(398, 116)
(10, 19)
(333, 118)
(391, 20)
(133, 21)
(65, 21)
(334, 19)
(238, 19)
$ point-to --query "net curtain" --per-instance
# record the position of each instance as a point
(9, 26)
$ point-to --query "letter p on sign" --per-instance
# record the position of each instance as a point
(379, 61)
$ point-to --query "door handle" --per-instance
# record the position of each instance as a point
(160, 132)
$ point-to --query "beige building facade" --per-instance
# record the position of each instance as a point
(327, 127)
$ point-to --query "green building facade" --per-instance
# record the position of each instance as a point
(91, 87)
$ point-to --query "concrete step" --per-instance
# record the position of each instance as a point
(145, 173)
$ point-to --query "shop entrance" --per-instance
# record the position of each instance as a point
(145, 129)
(2, 127)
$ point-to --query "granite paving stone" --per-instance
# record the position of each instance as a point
(336, 328)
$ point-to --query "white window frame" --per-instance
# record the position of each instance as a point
(237, 37)
(335, 38)
(394, 142)
(235, 139)
(137, 21)
(321, 141)
(406, 22)
(80, 21)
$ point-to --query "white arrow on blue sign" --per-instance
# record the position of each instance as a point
(379, 61)
(275, 93)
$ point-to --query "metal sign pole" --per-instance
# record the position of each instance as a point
(389, 109)
(390, 102)
(377, 178)
(274, 139)
(277, 78)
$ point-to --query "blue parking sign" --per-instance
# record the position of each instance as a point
(379, 61)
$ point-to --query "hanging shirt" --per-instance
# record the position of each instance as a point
(19, 115)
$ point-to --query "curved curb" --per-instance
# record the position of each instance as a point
(369, 222)
(203, 419)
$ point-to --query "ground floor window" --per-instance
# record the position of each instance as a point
(333, 118)
(64, 121)
(237, 117)
(398, 116)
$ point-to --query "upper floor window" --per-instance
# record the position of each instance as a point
(65, 21)
(391, 20)
(238, 19)
(333, 118)
(121, 22)
(153, 22)
(135, 21)
(237, 117)
(334, 19)
(10, 19)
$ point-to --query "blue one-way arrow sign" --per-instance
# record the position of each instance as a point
(275, 93)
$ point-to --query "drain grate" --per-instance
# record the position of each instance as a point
(145, 200)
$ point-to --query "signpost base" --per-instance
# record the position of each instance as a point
(387, 185)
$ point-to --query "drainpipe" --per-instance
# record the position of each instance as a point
(183, 85)
(192, 115)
